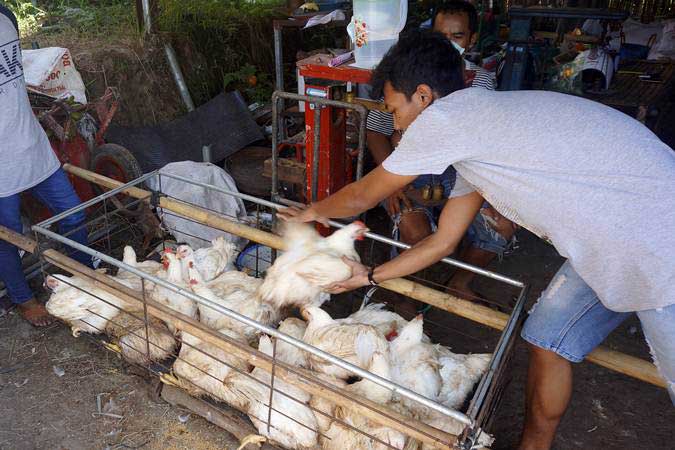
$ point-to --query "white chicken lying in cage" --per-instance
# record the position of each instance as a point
(128, 333)
(353, 342)
(239, 297)
(460, 373)
(375, 314)
(292, 422)
(81, 304)
(203, 369)
(148, 266)
(342, 434)
(92, 310)
(309, 264)
(209, 261)
(415, 365)
(174, 300)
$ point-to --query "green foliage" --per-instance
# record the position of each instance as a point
(28, 16)
(256, 86)
(218, 42)
(91, 17)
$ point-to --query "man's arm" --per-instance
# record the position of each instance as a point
(352, 199)
(457, 215)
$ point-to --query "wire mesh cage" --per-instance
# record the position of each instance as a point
(332, 382)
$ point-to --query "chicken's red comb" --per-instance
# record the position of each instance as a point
(391, 335)
(359, 223)
(193, 281)
(168, 250)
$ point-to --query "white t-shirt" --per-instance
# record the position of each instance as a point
(26, 158)
(594, 182)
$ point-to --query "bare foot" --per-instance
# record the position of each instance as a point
(35, 313)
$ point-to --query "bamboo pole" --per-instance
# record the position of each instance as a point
(301, 378)
(610, 359)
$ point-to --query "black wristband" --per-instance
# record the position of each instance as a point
(370, 277)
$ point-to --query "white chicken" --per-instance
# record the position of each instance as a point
(388, 322)
(289, 353)
(134, 281)
(296, 427)
(128, 332)
(173, 300)
(83, 305)
(240, 299)
(339, 436)
(203, 369)
(309, 264)
(353, 342)
(415, 365)
(209, 261)
(460, 373)
(324, 410)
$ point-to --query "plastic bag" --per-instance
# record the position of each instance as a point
(186, 230)
(51, 71)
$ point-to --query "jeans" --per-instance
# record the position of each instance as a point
(569, 320)
(58, 195)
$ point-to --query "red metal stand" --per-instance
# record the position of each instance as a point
(335, 165)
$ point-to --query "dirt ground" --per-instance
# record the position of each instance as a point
(49, 383)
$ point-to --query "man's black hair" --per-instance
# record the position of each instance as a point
(458, 7)
(420, 57)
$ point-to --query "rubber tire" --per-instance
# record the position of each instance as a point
(126, 167)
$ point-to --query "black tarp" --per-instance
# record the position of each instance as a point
(224, 123)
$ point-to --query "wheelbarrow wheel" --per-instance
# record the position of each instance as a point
(116, 162)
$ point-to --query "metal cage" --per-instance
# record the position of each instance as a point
(272, 374)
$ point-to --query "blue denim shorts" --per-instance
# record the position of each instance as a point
(569, 320)
(480, 234)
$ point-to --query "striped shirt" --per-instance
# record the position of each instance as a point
(383, 122)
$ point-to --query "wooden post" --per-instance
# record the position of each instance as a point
(610, 359)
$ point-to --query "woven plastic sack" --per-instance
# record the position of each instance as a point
(51, 71)
(186, 230)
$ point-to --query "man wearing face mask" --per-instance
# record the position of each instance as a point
(415, 209)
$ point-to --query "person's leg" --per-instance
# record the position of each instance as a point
(566, 323)
(659, 328)
(487, 239)
(11, 271)
(413, 226)
(58, 195)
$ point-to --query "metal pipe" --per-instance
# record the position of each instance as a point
(319, 101)
(278, 59)
(147, 23)
(275, 148)
(178, 77)
(316, 153)
(88, 203)
(265, 329)
(362, 143)
(206, 154)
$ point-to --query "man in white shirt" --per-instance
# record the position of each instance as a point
(576, 173)
(27, 162)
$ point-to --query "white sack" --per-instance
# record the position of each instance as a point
(51, 71)
(229, 207)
